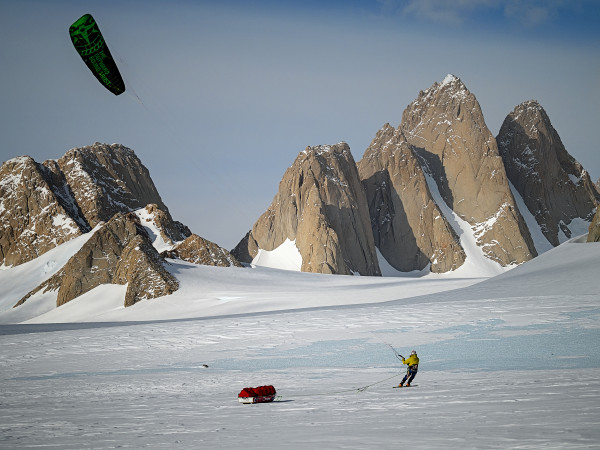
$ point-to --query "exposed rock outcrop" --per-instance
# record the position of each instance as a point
(321, 206)
(119, 252)
(594, 230)
(408, 227)
(44, 205)
(554, 186)
(106, 179)
(36, 211)
(165, 233)
(198, 250)
(445, 127)
(107, 187)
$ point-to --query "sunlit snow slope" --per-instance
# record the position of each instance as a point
(511, 362)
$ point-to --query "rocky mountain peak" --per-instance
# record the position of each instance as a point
(446, 128)
(321, 207)
(105, 179)
(408, 227)
(450, 93)
(165, 233)
(198, 250)
(44, 205)
(453, 80)
(452, 86)
(36, 211)
(554, 186)
(340, 149)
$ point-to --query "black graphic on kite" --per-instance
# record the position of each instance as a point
(90, 45)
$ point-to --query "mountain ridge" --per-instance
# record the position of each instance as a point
(555, 187)
(437, 195)
(443, 139)
(101, 191)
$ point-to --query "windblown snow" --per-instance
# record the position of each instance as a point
(506, 362)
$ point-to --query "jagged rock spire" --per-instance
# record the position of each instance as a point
(322, 208)
(554, 186)
(445, 127)
(408, 227)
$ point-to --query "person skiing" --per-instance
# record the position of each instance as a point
(413, 366)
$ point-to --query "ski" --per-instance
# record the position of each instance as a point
(398, 387)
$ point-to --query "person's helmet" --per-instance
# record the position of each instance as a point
(414, 352)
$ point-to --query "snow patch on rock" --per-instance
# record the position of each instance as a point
(286, 257)
(148, 222)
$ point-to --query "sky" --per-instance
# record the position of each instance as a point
(223, 95)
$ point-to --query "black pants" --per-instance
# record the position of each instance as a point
(410, 375)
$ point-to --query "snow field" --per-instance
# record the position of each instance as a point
(191, 409)
(509, 362)
(508, 372)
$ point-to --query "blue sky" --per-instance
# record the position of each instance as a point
(231, 92)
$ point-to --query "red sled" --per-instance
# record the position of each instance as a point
(261, 394)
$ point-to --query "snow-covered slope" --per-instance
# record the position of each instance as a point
(148, 221)
(214, 291)
(17, 281)
(286, 257)
(510, 362)
(476, 263)
(207, 291)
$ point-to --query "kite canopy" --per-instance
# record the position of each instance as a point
(90, 45)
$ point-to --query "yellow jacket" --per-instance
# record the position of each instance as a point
(412, 360)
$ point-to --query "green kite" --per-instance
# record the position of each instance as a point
(90, 45)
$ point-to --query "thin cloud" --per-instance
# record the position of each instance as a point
(535, 13)
(441, 11)
(457, 12)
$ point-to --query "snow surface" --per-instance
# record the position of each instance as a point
(286, 257)
(16, 282)
(509, 362)
(449, 79)
(577, 226)
(539, 240)
(147, 220)
(575, 180)
(476, 263)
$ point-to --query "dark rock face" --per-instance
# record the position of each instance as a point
(445, 127)
(408, 227)
(554, 186)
